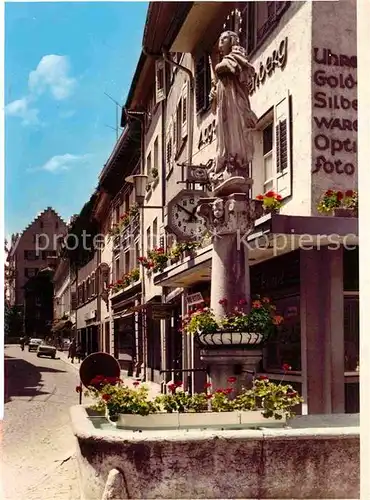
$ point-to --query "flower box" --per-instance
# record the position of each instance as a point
(230, 338)
(345, 212)
(256, 419)
(206, 420)
(148, 422)
(212, 419)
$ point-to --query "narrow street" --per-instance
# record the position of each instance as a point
(38, 444)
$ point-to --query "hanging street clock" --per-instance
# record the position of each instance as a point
(182, 219)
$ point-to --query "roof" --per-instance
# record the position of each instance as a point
(123, 159)
(162, 24)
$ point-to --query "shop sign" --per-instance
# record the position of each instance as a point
(334, 113)
(277, 59)
(160, 311)
(194, 298)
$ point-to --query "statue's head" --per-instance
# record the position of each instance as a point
(227, 41)
(218, 208)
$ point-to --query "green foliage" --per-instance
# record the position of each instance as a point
(273, 400)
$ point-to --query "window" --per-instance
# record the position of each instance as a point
(30, 272)
(169, 149)
(118, 213)
(155, 158)
(275, 152)
(137, 252)
(181, 122)
(259, 19)
(155, 232)
(351, 333)
(267, 158)
(30, 255)
(127, 202)
(127, 262)
(117, 269)
(148, 239)
(149, 164)
(160, 80)
(202, 83)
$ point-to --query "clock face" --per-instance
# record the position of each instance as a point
(182, 216)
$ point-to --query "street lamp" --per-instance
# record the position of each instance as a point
(140, 182)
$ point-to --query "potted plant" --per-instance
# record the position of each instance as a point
(156, 260)
(349, 206)
(330, 200)
(236, 327)
(271, 202)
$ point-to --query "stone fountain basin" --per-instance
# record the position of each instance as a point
(317, 457)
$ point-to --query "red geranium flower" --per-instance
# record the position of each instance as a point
(209, 396)
(78, 388)
(242, 302)
(223, 302)
(136, 383)
(231, 380)
(286, 367)
(339, 195)
(106, 397)
(228, 390)
(259, 197)
(172, 387)
(349, 193)
(207, 385)
(329, 192)
(263, 377)
(270, 194)
(279, 197)
(256, 304)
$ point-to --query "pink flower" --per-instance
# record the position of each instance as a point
(223, 302)
(286, 367)
(231, 380)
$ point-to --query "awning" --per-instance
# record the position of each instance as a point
(62, 325)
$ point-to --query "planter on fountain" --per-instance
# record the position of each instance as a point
(206, 420)
(226, 339)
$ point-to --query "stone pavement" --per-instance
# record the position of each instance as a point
(38, 446)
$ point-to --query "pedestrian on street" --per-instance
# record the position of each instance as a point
(72, 350)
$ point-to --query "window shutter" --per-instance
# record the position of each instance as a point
(282, 138)
(160, 80)
(169, 147)
(199, 84)
(184, 111)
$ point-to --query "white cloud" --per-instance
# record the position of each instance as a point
(21, 108)
(52, 73)
(60, 163)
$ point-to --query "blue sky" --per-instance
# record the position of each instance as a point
(60, 58)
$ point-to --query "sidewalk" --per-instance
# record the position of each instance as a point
(154, 389)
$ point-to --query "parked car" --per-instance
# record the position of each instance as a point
(33, 344)
(46, 350)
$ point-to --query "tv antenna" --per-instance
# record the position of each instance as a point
(116, 128)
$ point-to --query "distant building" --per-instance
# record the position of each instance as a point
(31, 249)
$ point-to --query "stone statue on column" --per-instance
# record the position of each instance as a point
(235, 119)
(229, 213)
